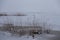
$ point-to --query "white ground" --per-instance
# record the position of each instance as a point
(8, 36)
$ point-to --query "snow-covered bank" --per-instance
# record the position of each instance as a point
(7, 36)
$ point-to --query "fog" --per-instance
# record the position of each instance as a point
(30, 5)
(49, 9)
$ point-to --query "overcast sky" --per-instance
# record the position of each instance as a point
(30, 5)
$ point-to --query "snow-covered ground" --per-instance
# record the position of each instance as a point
(8, 36)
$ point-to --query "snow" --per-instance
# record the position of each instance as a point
(8, 36)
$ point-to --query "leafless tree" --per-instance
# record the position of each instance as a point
(3, 14)
(20, 14)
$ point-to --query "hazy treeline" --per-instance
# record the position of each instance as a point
(16, 14)
(31, 29)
